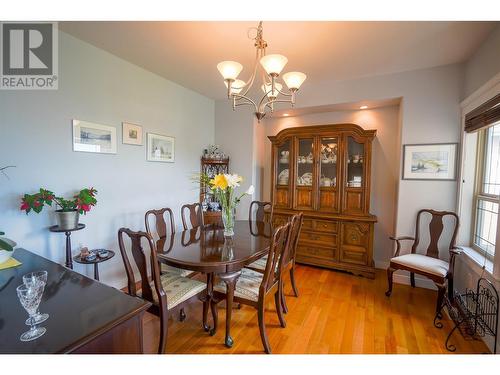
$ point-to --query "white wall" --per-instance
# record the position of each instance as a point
(385, 162)
(429, 113)
(484, 64)
(36, 136)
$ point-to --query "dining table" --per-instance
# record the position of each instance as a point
(205, 249)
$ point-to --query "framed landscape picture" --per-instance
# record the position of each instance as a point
(430, 161)
(131, 134)
(91, 137)
(160, 148)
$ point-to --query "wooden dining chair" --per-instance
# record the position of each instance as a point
(257, 211)
(252, 288)
(160, 225)
(256, 221)
(289, 263)
(195, 211)
(168, 292)
(431, 262)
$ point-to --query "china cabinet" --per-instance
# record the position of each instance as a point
(324, 171)
(211, 207)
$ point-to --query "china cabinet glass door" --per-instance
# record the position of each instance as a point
(283, 175)
(328, 197)
(354, 176)
(305, 173)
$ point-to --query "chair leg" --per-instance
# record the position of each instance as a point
(182, 315)
(292, 279)
(390, 271)
(162, 346)
(283, 301)
(262, 327)
(278, 300)
(450, 288)
(412, 279)
(440, 299)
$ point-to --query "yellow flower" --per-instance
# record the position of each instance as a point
(219, 181)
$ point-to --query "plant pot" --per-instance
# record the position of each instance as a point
(67, 219)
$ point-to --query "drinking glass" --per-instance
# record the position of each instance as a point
(39, 277)
(30, 297)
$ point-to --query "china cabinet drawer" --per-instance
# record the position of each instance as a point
(279, 220)
(324, 238)
(320, 225)
(354, 255)
(325, 226)
(316, 251)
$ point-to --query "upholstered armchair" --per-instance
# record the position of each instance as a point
(432, 254)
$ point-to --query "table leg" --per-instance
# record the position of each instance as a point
(96, 271)
(230, 281)
(69, 259)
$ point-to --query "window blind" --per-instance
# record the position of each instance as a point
(483, 116)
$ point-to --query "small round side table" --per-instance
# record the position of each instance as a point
(95, 262)
(56, 229)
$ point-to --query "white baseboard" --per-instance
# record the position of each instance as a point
(403, 277)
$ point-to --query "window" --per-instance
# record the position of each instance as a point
(487, 190)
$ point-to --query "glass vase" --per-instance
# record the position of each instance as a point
(228, 215)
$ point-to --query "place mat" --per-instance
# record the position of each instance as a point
(10, 263)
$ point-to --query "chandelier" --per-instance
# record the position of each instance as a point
(237, 89)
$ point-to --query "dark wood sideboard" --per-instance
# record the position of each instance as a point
(86, 316)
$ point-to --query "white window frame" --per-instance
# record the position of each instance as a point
(465, 197)
(479, 195)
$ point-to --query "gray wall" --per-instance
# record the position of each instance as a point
(36, 136)
(484, 64)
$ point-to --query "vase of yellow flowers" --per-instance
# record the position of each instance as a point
(223, 187)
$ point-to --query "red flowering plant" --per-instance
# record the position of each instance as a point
(82, 202)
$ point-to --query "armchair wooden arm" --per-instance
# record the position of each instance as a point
(456, 250)
(398, 242)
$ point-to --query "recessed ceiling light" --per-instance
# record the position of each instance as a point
(363, 107)
(285, 115)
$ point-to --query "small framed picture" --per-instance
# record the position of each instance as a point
(131, 134)
(91, 137)
(160, 148)
(430, 161)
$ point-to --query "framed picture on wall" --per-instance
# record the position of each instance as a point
(131, 134)
(430, 161)
(160, 148)
(91, 137)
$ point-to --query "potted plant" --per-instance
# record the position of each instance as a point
(70, 209)
(6, 248)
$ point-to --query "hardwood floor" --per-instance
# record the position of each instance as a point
(335, 313)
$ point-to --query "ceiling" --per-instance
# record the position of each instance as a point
(188, 52)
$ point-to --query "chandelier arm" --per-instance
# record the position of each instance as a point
(248, 100)
(279, 101)
(261, 101)
(284, 93)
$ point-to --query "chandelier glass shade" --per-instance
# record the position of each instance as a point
(271, 66)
